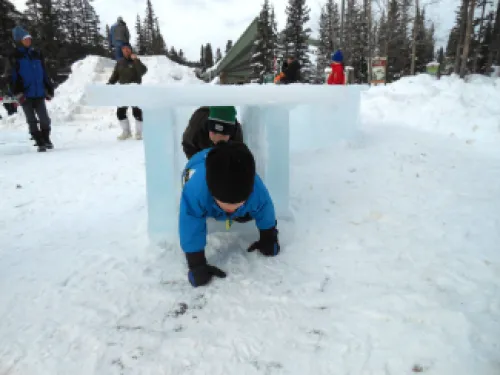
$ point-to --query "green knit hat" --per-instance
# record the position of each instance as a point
(224, 115)
(222, 120)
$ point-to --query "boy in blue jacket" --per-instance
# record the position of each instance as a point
(220, 182)
(31, 85)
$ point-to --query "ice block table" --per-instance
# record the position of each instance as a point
(265, 114)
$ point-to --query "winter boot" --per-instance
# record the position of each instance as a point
(40, 143)
(125, 125)
(138, 130)
(46, 139)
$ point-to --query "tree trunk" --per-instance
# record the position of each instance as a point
(370, 39)
(460, 42)
(342, 17)
(468, 32)
(478, 47)
(415, 33)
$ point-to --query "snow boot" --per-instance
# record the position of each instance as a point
(46, 139)
(125, 125)
(39, 142)
(138, 130)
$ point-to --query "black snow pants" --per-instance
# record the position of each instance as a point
(32, 108)
(121, 113)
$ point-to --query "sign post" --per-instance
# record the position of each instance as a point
(379, 70)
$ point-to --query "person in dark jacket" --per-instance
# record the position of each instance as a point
(30, 84)
(118, 36)
(291, 74)
(221, 183)
(208, 126)
(127, 70)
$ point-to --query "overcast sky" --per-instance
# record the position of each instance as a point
(187, 24)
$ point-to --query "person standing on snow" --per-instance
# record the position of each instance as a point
(290, 74)
(221, 183)
(127, 70)
(118, 36)
(208, 126)
(30, 84)
(337, 76)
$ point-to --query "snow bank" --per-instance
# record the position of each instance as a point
(162, 70)
(450, 105)
(69, 94)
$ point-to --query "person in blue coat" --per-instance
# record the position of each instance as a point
(118, 36)
(30, 84)
(221, 183)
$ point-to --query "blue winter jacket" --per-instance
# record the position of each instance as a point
(28, 74)
(111, 33)
(197, 204)
(26, 70)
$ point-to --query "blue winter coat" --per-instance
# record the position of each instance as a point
(111, 33)
(197, 204)
(28, 74)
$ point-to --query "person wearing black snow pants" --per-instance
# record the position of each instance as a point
(121, 114)
(33, 108)
(129, 69)
(30, 84)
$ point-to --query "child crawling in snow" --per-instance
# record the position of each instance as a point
(221, 183)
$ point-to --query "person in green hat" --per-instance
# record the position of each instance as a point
(208, 126)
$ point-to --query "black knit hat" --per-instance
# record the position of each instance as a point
(230, 170)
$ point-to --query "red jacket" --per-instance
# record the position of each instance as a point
(337, 76)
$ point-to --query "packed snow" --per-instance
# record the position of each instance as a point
(392, 265)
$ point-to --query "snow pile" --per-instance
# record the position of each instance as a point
(451, 106)
(162, 70)
(69, 94)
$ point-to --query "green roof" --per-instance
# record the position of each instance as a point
(236, 63)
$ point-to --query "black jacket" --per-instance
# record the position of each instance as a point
(128, 71)
(196, 138)
(292, 73)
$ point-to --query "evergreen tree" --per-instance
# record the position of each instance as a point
(218, 55)
(263, 49)
(421, 49)
(275, 39)
(229, 45)
(329, 37)
(148, 28)
(8, 18)
(173, 54)
(43, 25)
(202, 57)
(150, 39)
(159, 46)
(140, 45)
(297, 35)
(209, 57)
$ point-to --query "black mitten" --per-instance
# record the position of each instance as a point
(200, 273)
(268, 243)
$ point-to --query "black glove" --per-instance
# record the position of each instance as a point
(200, 273)
(268, 243)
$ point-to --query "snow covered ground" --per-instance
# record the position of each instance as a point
(392, 266)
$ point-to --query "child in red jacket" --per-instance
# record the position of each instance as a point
(337, 76)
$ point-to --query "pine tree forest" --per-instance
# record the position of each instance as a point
(68, 30)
